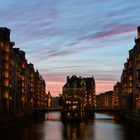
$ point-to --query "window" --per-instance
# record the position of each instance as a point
(1, 44)
(6, 74)
(6, 57)
(7, 48)
(6, 82)
(6, 95)
(130, 77)
(23, 65)
(6, 66)
(74, 107)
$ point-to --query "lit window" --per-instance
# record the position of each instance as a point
(74, 107)
(22, 90)
(6, 82)
(139, 84)
(23, 78)
(6, 95)
(23, 65)
(1, 44)
(130, 91)
(130, 84)
(130, 77)
(7, 48)
(7, 57)
(75, 102)
(23, 84)
(6, 66)
(6, 74)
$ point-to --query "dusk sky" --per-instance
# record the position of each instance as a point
(73, 37)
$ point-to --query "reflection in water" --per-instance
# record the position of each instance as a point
(101, 127)
(75, 130)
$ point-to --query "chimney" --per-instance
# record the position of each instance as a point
(68, 78)
(138, 30)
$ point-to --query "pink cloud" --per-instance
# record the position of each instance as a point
(55, 82)
(54, 87)
(106, 85)
(110, 31)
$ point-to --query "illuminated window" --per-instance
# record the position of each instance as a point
(23, 84)
(7, 57)
(32, 85)
(23, 99)
(74, 107)
(32, 90)
(22, 90)
(6, 82)
(130, 90)
(76, 114)
(130, 84)
(6, 74)
(75, 102)
(7, 48)
(6, 66)
(23, 65)
(1, 44)
(22, 78)
(138, 84)
(130, 77)
(68, 101)
(12, 62)
(6, 95)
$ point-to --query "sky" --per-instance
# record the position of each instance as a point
(73, 37)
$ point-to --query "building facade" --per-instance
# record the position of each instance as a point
(49, 100)
(130, 78)
(22, 89)
(78, 97)
(117, 96)
(104, 101)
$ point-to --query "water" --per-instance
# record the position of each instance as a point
(102, 127)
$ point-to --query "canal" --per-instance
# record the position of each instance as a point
(103, 126)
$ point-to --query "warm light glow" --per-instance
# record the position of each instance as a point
(6, 48)
(22, 77)
(6, 95)
(6, 65)
(74, 107)
(6, 83)
(130, 77)
(7, 57)
(6, 74)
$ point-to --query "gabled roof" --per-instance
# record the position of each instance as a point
(78, 82)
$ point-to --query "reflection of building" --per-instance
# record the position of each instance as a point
(78, 97)
(22, 89)
(74, 131)
(104, 100)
